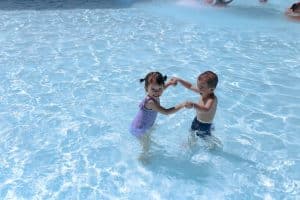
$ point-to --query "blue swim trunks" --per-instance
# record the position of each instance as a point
(202, 129)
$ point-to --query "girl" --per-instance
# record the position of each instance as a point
(150, 106)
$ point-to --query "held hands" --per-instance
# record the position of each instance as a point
(188, 104)
(173, 81)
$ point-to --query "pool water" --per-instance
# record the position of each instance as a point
(69, 89)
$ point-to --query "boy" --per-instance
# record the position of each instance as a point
(207, 105)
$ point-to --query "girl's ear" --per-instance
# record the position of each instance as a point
(212, 89)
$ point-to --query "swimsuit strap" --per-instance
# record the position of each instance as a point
(146, 99)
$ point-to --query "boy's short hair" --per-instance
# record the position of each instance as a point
(210, 78)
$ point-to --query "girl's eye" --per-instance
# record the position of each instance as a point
(158, 90)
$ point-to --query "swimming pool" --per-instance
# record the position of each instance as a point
(69, 90)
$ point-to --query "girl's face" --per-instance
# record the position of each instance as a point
(203, 88)
(154, 90)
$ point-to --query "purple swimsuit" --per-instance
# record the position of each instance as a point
(144, 119)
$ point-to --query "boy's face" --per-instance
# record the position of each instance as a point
(203, 88)
(155, 90)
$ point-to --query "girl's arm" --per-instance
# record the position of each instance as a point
(186, 84)
(166, 111)
(205, 107)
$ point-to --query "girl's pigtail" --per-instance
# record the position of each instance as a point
(293, 7)
(142, 80)
(165, 77)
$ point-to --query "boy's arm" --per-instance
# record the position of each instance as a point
(166, 111)
(206, 107)
(186, 84)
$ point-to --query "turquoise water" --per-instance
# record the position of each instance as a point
(69, 90)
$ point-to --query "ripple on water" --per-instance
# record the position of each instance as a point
(68, 192)
(24, 189)
(69, 87)
(112, 182)
(41, 163)
(103, 157)
(265, 122)
(55, 183)
(96, 130)
(292, 187)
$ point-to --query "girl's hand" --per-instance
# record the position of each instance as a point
(173, 81)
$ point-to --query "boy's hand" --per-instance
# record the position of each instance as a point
(182, 105)
(189, 104)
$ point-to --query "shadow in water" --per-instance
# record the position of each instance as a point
(215, 147)
(232, 157)
(184, 166)
(10, 5)
(178, 167)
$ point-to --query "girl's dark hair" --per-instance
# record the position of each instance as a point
(154, 77)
